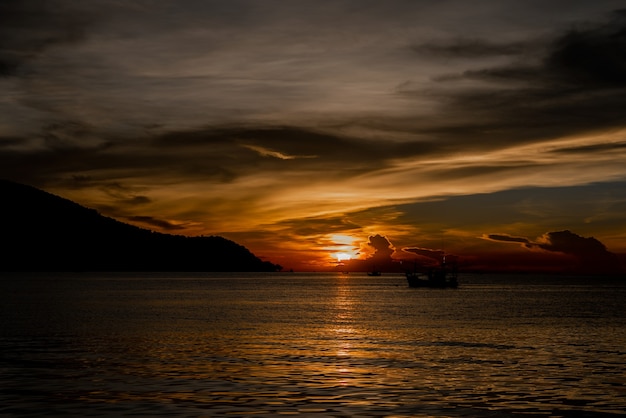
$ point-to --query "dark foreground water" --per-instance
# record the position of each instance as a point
(310, 345)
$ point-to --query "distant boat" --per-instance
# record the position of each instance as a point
(440, 277)
(374, 272)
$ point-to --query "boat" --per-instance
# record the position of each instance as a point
(374, 273)
(440, 277)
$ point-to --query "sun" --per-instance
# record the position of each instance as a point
(342, 256)
(341, 248)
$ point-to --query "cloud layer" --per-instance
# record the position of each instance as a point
(281, 122)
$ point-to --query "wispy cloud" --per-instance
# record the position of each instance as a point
(507, 238)
(150, 222)
(276, 154)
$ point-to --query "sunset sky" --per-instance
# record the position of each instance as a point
(315, 131)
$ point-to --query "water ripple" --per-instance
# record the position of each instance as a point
(342, 350)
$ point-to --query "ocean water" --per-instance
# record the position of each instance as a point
(323, 345)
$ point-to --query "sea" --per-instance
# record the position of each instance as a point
(310, 345)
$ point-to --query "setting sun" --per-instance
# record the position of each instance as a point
(343, 247)
(342, 256)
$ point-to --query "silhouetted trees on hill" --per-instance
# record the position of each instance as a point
(44, 232)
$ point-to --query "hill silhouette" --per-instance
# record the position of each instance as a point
(44, 232)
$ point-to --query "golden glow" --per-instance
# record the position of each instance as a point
(343, 247)
(342, 256)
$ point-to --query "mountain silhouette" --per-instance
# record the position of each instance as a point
(44, 232)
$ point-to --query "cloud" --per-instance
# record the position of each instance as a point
(29, 27)
(592, 256)
(468, 48)
(569, 243)
(153, 222)
(283, 115)
(123, 195)
(592, 55)
(587, 57)
(382, 247)
(319, 225)
(426, 252)
(137, 200)
(507, 238)
(276, 154)
(574, 82)
(68, 135)
(614, 146)
(381, 258)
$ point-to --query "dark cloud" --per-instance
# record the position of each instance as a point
(382, 247)
(590, 254)
(380, 260)
(583, 58)
(468, 48)
(138, 200)
(592, 55)
(70, 135)
(123, 195)
(218, 154)
(243, 150)
(431, 257)
(159, 223)
(64, 156)
(313, 226)
(45, 168)
(426, 252)
(307, 146)
(9, 142)
(593, 256)
(576, 82)
(569, 243)
(536, 108)
(591, 149)
(491, 169)
(29, 27)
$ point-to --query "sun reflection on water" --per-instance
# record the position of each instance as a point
(332, 346)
